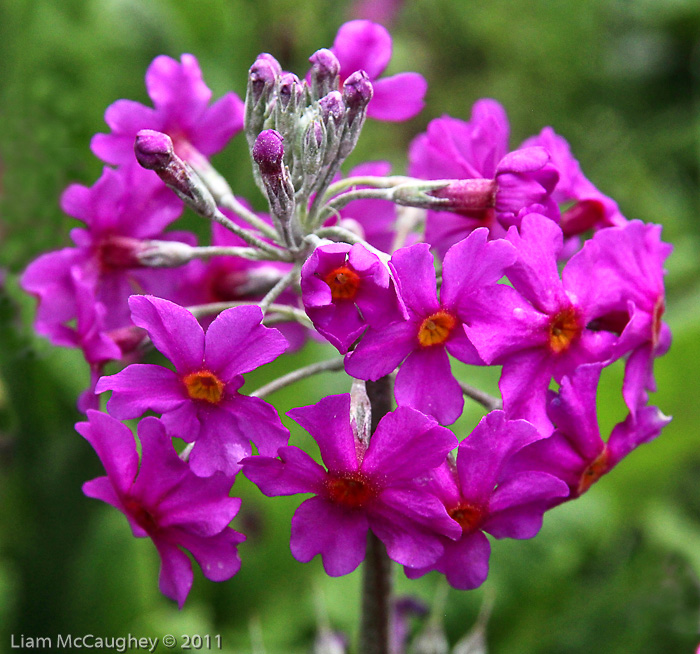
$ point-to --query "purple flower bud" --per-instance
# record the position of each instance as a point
(290, 89)
(467, 195)
(262, 75)
(268, 152)
(325, 67)
(357, 92)
(266, 56)
(332, 106)
(154, 150)
(314, 136)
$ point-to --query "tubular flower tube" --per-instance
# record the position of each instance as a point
(474, 151)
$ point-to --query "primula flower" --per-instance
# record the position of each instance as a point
(543, 326)
(481, 499)
(362, 487)
(435, 327)
(589, 208)
(629, 262)
(199, 400)
(575, 452)
(363, 45)
(120, 211)
(162, 499)
(344, 289)
(181, 110)
(474, 151)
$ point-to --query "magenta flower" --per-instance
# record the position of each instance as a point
(162, 499)
(629, 261)
(345, 288)
(590, 209)
(361, 487)
(435, 327)
(181, 110)
(199, 400)
(363, 45)
(503, 183)
(543, 327)
(122, 209)
(481, 499)
(575, 452)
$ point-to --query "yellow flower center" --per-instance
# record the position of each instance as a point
(564, 329)
(436, 328)
(343, 282)
(204, 385)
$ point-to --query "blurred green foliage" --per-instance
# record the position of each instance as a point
(615, 572)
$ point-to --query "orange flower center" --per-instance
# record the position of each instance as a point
(594, 471)
(344, 282)
(468, 516)
(564, 328)
(204, 385)
(353, 491)
(436, 328)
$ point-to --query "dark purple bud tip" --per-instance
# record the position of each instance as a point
(263, 73)
(324, 64)
(154, 150)
(289, 88)
(357, 90)
(268, 152)
(332, 106)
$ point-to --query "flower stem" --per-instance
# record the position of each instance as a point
(377, 578)
(375, 629)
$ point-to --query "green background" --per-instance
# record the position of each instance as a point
(614, 572)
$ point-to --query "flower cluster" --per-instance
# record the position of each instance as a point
(498, 257)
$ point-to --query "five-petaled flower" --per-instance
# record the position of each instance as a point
(164, 500)
(362, 487)
(199, 400)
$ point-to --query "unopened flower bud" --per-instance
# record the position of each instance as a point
(262, 82)
(290, 91)
(357, 92)
(331, 107)
(262, 76)
(154, 150)
(268, 152)
(325, 69)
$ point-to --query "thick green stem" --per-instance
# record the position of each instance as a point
(377, 580)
